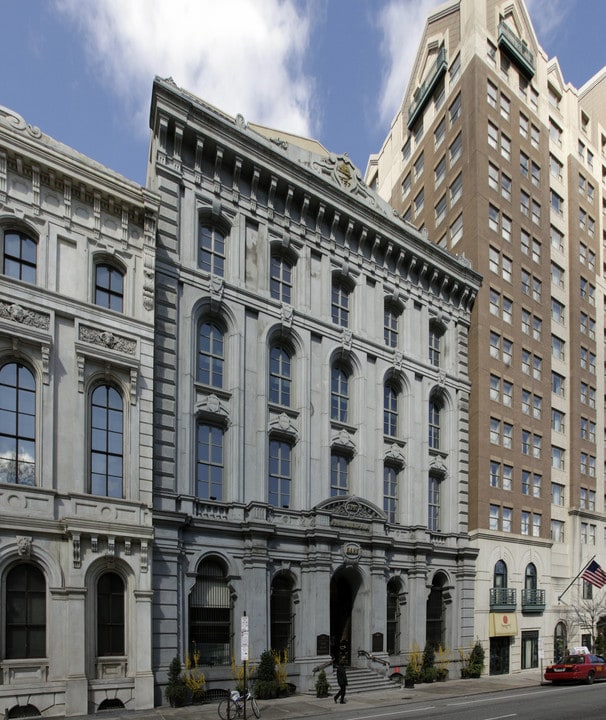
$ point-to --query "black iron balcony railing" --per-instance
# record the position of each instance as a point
(423, 92)
(533, 601)
(502, 599)
(516, 49)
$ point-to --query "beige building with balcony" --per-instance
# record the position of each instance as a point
(500, 160)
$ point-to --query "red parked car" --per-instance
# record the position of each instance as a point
(577, 668)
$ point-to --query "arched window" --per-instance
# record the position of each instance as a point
(210, 354)
(390, 325)
(435, 344)
(109, 287)
(530, 577)
(25, 612)
(560, 641)
(17, 424)
(500, 575)
(340, 302)
(211, 250)
(435, 408)
(107, 442)
(210, 463)
(393, 617)
(339, 394)
(280, 280)
(110, 615)
(280, 375)
(210, 614)
(19, 255)
(390, 410)
(435, 623)
(282, 616)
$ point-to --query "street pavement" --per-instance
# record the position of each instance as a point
(303, 705)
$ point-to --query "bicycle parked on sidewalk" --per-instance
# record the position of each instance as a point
(233, 706)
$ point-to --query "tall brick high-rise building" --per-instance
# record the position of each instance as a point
(500, 160)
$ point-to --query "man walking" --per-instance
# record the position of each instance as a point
(342, 680)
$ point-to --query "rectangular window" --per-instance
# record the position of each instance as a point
(210, 464)
(455, 149)
(455, 109)
(280, 477)
(456, 189)
(339, 475)
(557, 531)
(439, 133)
(406, 183)
(418, 166)
(530, 649)
(390, 492)
(433, 514)
(440, 171)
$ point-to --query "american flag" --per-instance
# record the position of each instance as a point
(594, 574)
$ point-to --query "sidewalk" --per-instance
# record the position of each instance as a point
(303, 705)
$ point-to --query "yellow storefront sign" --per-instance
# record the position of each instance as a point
(503, 624)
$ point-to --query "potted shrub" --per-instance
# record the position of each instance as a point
(428, 671)
(413, 669)
(322, 685)
(267, 685)
(176, 691)
(194, 678)
(474, 664)
(441, 664)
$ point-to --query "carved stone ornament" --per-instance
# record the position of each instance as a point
(286, 315)
(352, 508)
(24, 546)
(437, 465)
(107, 339)
(14, 121)
(395, 454)
(343, 439)
(19, 314)
(351, 552)
(283, 425)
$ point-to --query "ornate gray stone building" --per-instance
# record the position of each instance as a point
(76, 360)
(311, 406)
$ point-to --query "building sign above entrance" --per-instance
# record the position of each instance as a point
(503, 624)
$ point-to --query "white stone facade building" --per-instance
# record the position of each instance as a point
(311, 407)
(77, 245)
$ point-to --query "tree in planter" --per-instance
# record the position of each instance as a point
(441, 663)
(267, 685)
(176, 691)
(413, 669)
(474, 662)
(322, 685)
(428, 671)
(194, 677)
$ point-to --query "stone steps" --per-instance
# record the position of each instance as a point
(359, 680)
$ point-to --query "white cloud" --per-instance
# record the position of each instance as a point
(244, 57)
(401, 23)
(547, 17)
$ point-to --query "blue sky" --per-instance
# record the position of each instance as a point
(336, 70)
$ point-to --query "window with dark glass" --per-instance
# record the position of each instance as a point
(107, 441)
(25, 612)
(210, 354)
(17, 425)
(280, 281)
(209, 465)
(109, 287)
(339, 474)
(499, 579)
(279, 376)
(393, 617)
(19, 256)
(210, 629)
(280, 473)
(530, 577)
(339, 394)
(211, 250)
(110, 615)
(282, 616)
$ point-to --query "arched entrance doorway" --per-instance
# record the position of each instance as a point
(344, 587)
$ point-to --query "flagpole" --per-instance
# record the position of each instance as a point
(581, 571)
